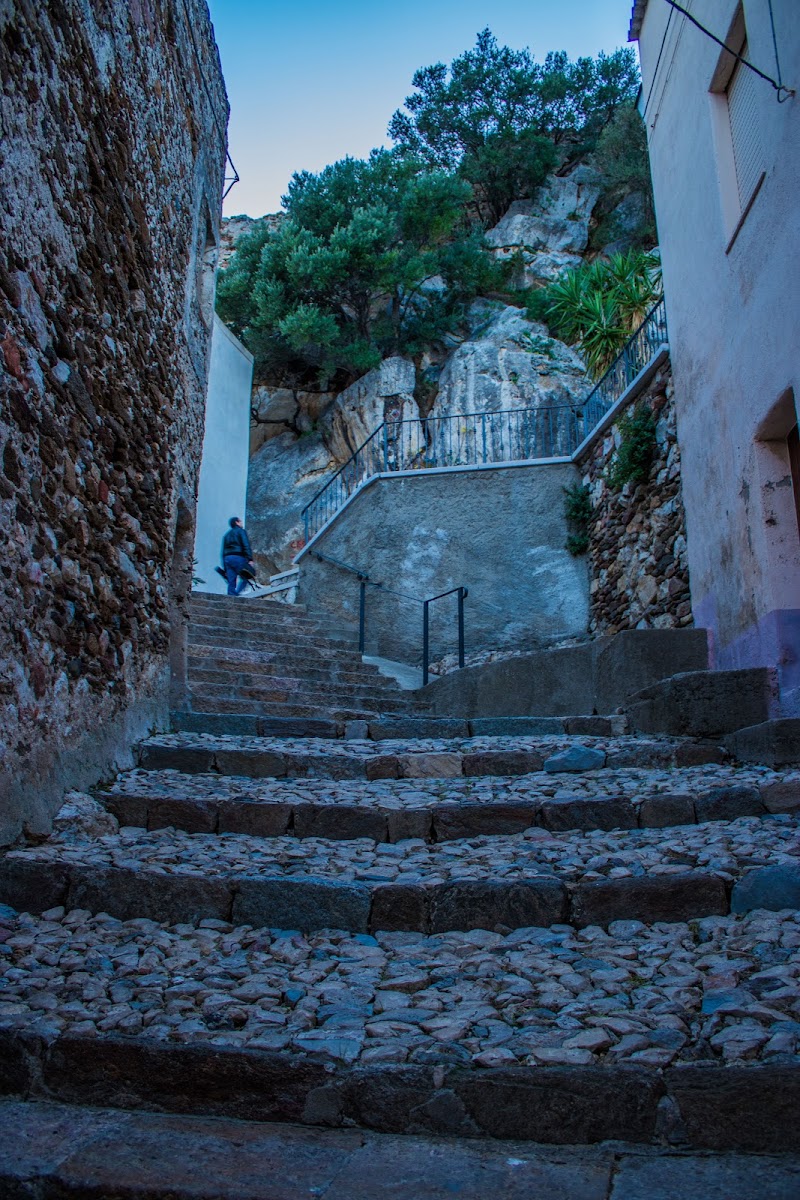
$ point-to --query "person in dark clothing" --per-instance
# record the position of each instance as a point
(237, 555)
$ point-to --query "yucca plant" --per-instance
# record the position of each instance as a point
(603, 334)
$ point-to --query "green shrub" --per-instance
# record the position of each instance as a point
(578, 511)
(631, 463)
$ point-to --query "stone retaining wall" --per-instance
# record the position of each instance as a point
(637, 537)
(113, 141)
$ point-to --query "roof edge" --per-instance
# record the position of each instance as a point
(637, 19)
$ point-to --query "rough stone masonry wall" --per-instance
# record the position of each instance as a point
(637, 537)
(112, 144)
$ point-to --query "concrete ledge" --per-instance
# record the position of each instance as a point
(722, 1108)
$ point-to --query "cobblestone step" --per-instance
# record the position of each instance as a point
(534, 878)
(682, 1034)
(66, 1150)
(434, 756)
(249, 675)
(239, 635)
(390, 810)
(280, 686)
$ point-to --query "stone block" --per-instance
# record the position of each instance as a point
(236, 724)
(698, 753)
(32, 885)
(773, 743)
(192, 760)
(383, 766)
(258, 818)
(126, 894)
(649, 898)
(141, 1073)
(453, 821)
(254, 764)
(409, 823)
(728, 803)
(298, 727)
(19, 1053)
(561, 1105)
(431, 765)
(195, 816)
(129, 810)
(399, 906)
(418, 727)
(594, 726)
(705, 703)
(781, 795)
(574, 759)
(773, 888)
(306, 903)
(340, 821)
(515, 726)
(750, 1108)
(484, 904)
(502, 762)
(637, 658)
(669, 808)
(579, 812)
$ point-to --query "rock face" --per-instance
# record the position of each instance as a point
(508, 363)
(114, 122)
(550, 232)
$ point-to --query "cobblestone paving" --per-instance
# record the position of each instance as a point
(631, 783)
(720, 989)
(726, 848)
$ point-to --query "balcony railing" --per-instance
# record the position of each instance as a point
(477, 439)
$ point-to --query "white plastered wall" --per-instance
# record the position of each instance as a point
(732, 284)
(222, 490)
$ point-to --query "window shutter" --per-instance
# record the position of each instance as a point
(743, 110)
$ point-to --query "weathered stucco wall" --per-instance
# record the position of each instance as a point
(730, 273)
(498, 532)
(638, 563)
(222, 491)
(112, 143)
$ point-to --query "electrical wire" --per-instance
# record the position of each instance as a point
(783, 92)
(658, 64)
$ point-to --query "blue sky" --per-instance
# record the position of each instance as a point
(314, 80)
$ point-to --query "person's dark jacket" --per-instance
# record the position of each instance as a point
(236, 541)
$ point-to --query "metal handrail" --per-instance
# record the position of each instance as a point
(462, 595)
(502, 436)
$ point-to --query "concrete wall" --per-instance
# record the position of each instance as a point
(499, 532)
(113, 121)
(733, 306)
(222, 492)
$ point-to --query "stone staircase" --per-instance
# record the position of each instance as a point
(262, 666)
(542, 932)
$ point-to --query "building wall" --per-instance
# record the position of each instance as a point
(222, 492)
(499, 532)
(113, 121)
(638, 563)
(733, 308)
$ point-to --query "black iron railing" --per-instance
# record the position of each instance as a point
(478, 439)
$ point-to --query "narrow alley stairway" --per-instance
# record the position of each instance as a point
(557, 958)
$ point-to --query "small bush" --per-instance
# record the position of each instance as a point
(635, 452)
(578, 511)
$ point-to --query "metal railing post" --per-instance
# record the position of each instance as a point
(425, 642)
(362, 616)
(461, 594)
(385, 447)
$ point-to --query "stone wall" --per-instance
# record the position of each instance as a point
(112, 145)
(637, 536)
(500, 532)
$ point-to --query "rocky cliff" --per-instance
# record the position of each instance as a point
(500, 361)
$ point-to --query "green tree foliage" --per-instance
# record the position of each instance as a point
(372, 259)
(622, 157)
(597, 306)
(578, 511)
(503, 121)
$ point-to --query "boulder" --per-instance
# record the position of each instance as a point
(774, 888)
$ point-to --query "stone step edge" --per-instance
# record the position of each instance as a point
(311, 903)
(702, 1106)
(254, 762)
(438, 821)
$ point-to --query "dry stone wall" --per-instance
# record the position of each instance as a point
(112, 145)
(637, 536)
